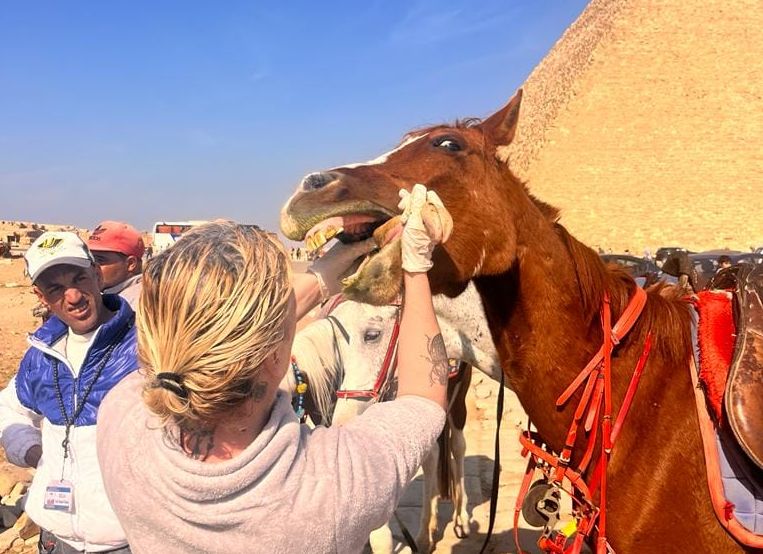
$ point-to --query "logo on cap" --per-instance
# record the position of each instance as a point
(96, 232)
(50, 243)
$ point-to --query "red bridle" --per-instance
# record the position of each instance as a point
(387, 368)
(595, 403)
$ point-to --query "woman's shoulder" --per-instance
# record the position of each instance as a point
(122, 397)
(122, 414)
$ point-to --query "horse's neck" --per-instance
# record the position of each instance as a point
(465, 330)
(314, 350)
(537, 321)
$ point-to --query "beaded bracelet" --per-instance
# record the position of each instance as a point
(298, 403)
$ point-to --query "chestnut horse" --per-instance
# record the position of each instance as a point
(542, 291)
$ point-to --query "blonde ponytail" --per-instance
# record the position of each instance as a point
(212, 308)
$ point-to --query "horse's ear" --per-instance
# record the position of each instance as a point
(502, 125)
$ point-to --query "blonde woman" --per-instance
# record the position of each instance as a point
(200, 452)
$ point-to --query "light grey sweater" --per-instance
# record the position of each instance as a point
(292, 490)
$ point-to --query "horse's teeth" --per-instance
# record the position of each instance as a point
(321, 237)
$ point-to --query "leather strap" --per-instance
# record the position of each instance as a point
(628, 318)
(406, 533)
(496, 466)
(595, 404)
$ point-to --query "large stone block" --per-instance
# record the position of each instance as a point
(6, 540)
(14, 497)
(10, 475)
(25, 527)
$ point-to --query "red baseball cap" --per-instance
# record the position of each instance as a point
(115, 236)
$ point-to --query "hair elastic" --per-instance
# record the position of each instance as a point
(171, 382)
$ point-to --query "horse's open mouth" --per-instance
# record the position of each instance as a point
(345, 228)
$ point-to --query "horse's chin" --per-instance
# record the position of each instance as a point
(379, 279)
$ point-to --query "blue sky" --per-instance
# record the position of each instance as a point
(143, 111)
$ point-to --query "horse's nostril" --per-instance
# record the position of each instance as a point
(316, 181)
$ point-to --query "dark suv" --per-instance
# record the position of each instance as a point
(642, 270)
(665, 252)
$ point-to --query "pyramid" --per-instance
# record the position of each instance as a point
(644, 124)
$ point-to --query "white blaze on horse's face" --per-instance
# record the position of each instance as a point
(384, 157)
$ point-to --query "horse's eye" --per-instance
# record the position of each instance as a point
(448, 143)
(371, 335)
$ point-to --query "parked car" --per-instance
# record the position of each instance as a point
(750, 258)
(642, 270)
(706, 263)
(665, 252)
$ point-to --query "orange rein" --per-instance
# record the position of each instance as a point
(595, 404)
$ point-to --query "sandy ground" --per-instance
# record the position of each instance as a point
(16, 320)
(16, 302)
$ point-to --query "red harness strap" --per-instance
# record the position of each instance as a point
(596, 405)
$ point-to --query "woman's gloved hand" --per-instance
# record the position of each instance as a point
(426, 223)
(336, 263)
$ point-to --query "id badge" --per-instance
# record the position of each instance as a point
(59, 495)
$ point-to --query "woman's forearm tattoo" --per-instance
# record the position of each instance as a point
(438, 357)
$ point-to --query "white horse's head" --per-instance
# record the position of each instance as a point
(352, 343)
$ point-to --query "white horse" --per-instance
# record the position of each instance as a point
(346, 352)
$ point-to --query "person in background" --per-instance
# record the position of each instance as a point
(678, 264)
(201, 451)
(723, 262)
(48, 410)
(118, 250)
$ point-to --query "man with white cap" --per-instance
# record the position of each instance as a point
(118, 249)
(48, 410)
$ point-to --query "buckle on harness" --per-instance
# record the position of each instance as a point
(542, 504)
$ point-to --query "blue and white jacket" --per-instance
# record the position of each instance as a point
(30, 415)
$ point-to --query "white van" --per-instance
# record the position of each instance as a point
(166, 233)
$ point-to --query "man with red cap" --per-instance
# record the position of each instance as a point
(118, 249)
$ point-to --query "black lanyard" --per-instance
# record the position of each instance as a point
(83, 399)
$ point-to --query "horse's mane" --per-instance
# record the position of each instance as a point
(466, 123)
(313, 349)
(666, 315)
(549, 212)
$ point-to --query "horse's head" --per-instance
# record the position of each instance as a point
(364, 338)
(344, 351)
(458, 161)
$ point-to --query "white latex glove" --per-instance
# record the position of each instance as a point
(336, 262)
(426, 223)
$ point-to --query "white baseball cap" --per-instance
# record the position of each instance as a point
(56, 248)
